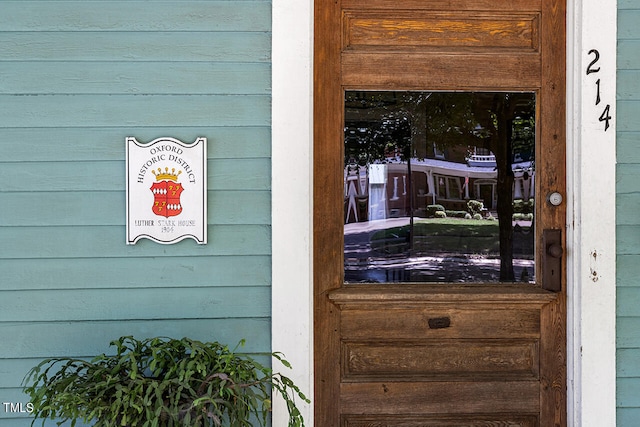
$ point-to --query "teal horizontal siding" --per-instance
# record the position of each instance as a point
(628, 300)
(55, 144)
(133, 110)
(626, 178)
(89, 338)
(627, 218)
(134, 272)
(26, 422)
(627, 239)
(12, 371)
(13, 395)
(240, 174)
(179, 302)
(627, 147)
(628, 270)
(628, 366)
(627, 113)
(77, 78)
(628, 51)
(96, 207)
(627, 417)
(626, 5)
(132, 46)
(628, 85)
(628, 332)
(108, 242)
(137, 16)
(628, 390)
(122, 78)
(628, 23)
(626, 203)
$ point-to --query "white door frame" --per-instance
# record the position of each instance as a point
(591, 24)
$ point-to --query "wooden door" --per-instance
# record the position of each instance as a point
(432, 353)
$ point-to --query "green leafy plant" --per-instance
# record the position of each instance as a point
(475, 206)
(161, 382)
(432, 209)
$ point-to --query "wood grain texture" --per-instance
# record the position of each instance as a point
(404, 29)
(493, 420)
(431, 360)
(552, 176)
(439, 5)
(327, 212)
(390, 323)
(415, 295)
(439, 71)
(456, 397)
(553, 357)
(385, 332)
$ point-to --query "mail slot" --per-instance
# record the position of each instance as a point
(439, 322)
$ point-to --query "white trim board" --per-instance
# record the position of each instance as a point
(591, 24)
(591, 364)
(291, 183)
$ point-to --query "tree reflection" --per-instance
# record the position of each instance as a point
(421, 127)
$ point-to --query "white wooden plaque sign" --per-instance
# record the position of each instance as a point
(166, 190)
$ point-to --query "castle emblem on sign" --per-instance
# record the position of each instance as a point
(166, 193)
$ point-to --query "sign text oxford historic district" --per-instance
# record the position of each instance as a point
(166, 190)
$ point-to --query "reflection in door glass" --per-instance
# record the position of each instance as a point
(439, 186)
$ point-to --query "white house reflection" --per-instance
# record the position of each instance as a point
(432, 215)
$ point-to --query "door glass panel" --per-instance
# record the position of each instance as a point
(439, 186)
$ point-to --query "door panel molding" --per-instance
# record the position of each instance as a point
(440, 359)
(511, 420)
(440, 72)
(410, 29)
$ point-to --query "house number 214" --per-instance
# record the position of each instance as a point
(593, 68)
